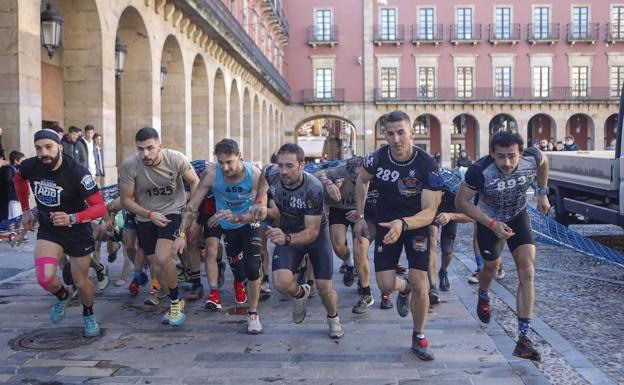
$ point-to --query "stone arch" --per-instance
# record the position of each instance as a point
(427, 133)
(503, 122)
(541, 126)
(248, 134)
(172, 110)
(321, 135)
(220, 107)
(199, 109)
(134, 98)
(610, 129)
(235, 113)
(580, 126)
(465, 134)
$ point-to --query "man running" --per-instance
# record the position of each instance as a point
(409, 187)
(501, 179)
(67, 199)
(233, 184)
(151, 185)
(303, 229)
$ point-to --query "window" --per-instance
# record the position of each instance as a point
(541, 82)
(464, 23)
(464, 82)
(579, 82)
(323, 86)
(426, 82)
(388, 24)
(455, 149)
(426, 24)
(421, 126)
(389, 82)
(617, 80)
(580, 22)
(617, 21)
(323, 25)
(541, 22)
(503, 23)
(502, 82)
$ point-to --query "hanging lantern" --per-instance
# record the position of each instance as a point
(120, 57)
(51, 29)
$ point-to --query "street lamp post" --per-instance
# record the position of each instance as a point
(51, 29)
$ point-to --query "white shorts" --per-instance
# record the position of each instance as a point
(15, 209)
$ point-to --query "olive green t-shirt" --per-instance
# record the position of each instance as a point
(157, 188)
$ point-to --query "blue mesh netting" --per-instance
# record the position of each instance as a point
(545, 228)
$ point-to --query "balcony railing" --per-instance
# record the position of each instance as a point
(614, 33)
(383, 34)
(461, 34)
(427, 34)
(559, 94)
(543, 33)
(502, 34)
(278, 14)
(318, 96)
(322, 36)
(577, 33)
(223, 27)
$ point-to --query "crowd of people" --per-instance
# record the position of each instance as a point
(170, 220)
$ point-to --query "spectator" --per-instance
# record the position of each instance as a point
(89, 131)
(99, 159)
(59, 130)
(463, 160)
(75, 146)
(570, 145)
(559, 146)
(612, 145)
(15, 208)
(543, 145)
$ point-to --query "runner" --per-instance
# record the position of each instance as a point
(501, 179)
(303, 229)
(151, 185)
(409, 187)
(67, 199)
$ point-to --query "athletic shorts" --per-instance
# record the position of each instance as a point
(337, 216)
(320, 253)
(209, 232)
(491, 246)
(149, 233)
(76, 241)
(248, 240)
(447, 238)
(415, 242)
(130, 222)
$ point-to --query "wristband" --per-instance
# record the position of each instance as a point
(149, 215)
(257, 202)
(491, 224)
(238, 218)
(327, 182)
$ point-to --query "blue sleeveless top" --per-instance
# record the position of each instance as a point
(235, 197)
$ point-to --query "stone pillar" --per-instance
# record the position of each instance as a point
(368, 61)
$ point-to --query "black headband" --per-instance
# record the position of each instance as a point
(47, 134)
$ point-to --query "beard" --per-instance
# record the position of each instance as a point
(54, 161)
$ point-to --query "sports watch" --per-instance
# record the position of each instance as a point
(542, 191)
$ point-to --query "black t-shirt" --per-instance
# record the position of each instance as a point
(501, 196)
(64, 190)
(371, 199)
(447, 204)
(400, 184)
(295, 204)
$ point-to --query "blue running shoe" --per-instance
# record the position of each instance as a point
(175, 314)
(91, 327)
(60, 308)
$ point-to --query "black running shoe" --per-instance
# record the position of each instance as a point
(403, 301)
(348, 277)
(524, 349)
(484, 311)
(343, 268)
(364, 303)
(445, 285)
(420, 347)
(434, 298)
(386, 302)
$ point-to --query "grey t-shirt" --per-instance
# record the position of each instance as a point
(347, 189)
(295, 204)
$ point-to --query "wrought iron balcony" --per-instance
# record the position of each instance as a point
(323, 96)
(505, 34)
(322, 36)
(277, 15)
(614, 33)
(465, 34)
(392, 34)
(427, 34)
(578, 33)
(543, 33)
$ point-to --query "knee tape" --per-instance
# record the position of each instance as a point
(40, 264)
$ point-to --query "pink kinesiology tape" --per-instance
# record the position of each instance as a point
(40, 264)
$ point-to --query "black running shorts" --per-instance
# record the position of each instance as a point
(76, 241)
(491, 246)
(320, 253)
(415, 242)
(149, 233)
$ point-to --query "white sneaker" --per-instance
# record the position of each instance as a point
(253, 324)
(265, 288)
(299, 307)
(335, 329)
(500, 274)
(102, 278)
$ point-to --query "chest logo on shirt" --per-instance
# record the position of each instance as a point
(88, 182)
(48, 193)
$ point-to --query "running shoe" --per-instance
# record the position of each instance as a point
(184, 276)
(91, 327)
(113, 256)
(57, 313)
(102, 277)
(445, 285)
(420, 347)
(364, 303)
(343, 268)
(403, 301)
(221, 280)
(197, 292)
(399, 268)
(524, 349)
(386, 302)
(312, 291)
(474, 278)
(239, 292)
(144, 277)
(214, 301)
(152, 298)
(484, 311)
(265, 288)
(500, 274)
(175, 314)
(299, 307)
(348, 277)
(335, 328)
(253, 324)
(434, 298)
